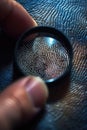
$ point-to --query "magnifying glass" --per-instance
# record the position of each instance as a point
(44, 52)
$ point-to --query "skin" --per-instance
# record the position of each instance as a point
(28, 95)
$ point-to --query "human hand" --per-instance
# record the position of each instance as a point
(23, 99)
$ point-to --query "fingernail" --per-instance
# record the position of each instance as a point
(37, 90)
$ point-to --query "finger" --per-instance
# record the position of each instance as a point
(14, 19)
(22, 100)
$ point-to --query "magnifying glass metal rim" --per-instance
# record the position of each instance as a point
(58, 35)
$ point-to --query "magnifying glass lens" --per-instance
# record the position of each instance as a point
(43, 52)
(42, 56)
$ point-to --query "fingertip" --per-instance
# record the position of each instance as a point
(15, 18)
(22, 100)
(38, 91)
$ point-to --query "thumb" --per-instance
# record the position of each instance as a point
(21, 101)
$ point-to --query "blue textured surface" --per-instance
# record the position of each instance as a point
(69, 16)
